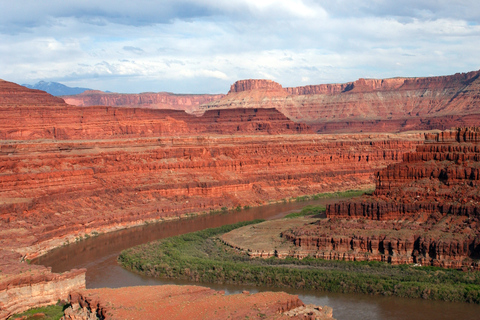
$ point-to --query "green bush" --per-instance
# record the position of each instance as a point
(201, 256)
(53, 312)
(307, 211)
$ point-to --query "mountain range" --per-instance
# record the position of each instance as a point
(56, 88)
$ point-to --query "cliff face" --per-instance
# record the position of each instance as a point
(429, 204)
(441, 176)
(24, 286)
(365, 105)
(53, 191)
(369, 105)
(31, 114)
(148, 100)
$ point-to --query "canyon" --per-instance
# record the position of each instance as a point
(365, 105)
(69, 172)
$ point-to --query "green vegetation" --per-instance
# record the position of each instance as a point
(201, 256)
(53, 312)
(307, 211)
(338, 194)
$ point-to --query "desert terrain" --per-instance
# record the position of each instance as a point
(72, 171)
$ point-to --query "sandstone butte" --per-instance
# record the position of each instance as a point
(62, 165)
(424, 210)
(368, 105)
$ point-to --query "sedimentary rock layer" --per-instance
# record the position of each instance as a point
(147, 100)
(185, 302)
(24, 286)
(429, 204)
(369, 105)
(75, 123)
(443, 241)
(441, 176)
(58, 190)
(13, 95)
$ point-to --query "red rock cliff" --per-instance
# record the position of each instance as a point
(429, 204)
(369, 105)
(135, 165)
(255, 84)
(150, 100)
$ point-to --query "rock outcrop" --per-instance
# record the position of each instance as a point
(62, 122)
(368, 105)
(13, 95)
(442, 176)
(146, 100)
(425, 209)
(364, 105)
(187, 302)
(24, 286)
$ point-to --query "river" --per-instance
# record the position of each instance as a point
(99, 255)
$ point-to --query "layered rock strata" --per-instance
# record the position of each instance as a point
(364, 105)
(53, 191)
(187, 302)
(74, 123)
(442, 176)
(24, 286)
(70, 172)
(442, 241)
(368, 105)
(146, 100)
(425, 210)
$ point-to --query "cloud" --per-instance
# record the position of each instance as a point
(132, 49)
(210, 44)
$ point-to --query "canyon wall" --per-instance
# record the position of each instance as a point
(425, 209)
(368, 105)
(54, 190)
(146, 100)
(442, 176)
(68, 122)
(24, 286)
(364, 105)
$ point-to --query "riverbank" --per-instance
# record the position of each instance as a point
(78, 253)
(202, 257)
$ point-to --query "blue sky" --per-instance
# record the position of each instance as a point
(191, 46)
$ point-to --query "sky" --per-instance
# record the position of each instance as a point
(193, 46)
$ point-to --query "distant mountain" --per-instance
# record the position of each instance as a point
(55, 88)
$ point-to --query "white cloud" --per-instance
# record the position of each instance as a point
(210, 44)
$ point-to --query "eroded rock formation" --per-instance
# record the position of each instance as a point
(364, 105)
(368, 105)
(425, 210)
(146, 100)
(54, 190)
(24, 286)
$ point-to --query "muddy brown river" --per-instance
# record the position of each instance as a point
(99, 254)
